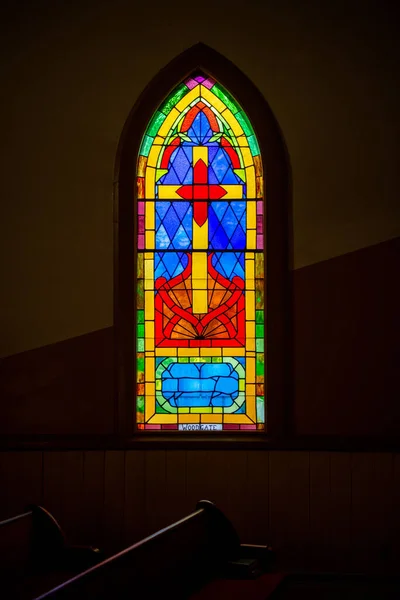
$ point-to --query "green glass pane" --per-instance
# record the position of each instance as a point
(260, 409)
(184, 359)
(260, 316)
(155, 124)
(226, 98)
(140, 316)
(140, 330)
(140, 404)
(260, 364)
(174, 98)
(245, 123)
(140, 364)
(260, 345)
(140, 294)
(167, 361)
(146, 145)
(160, 410)
(217, 359)
(259, 293)
(260, 331)
(254, 147)
(140, 344)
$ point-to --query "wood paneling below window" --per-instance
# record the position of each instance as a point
(321, 510)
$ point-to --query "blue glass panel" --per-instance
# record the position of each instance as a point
(200, 131)
(200, 384)
(220, 164)
(187, 220)
(206, 134)
(219, 209)
(213, 221)
(162, 239)
(195, 131)
(212, 151)
(181, 239)
(171, 222)
(181, 208)
(229, 222)
(231, 178)
(162, 208)
(188, 150)
(212, 178)
(181, 164)
(171, 178)
(238, 240)
(239, 208)
(229, 264)
(173, 225)
(188, 179)
(169, 264)
(219, 240)
(224, 370)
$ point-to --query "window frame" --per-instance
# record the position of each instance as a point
(278, 249)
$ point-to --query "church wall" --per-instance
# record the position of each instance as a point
(70, 75)
(346, 357)
(321, 510)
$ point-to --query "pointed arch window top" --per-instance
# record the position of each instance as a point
(200, 113)
(200, 303)
(200, 93)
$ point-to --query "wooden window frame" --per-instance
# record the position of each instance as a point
(278, 236)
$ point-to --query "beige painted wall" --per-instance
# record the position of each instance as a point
(69, 76)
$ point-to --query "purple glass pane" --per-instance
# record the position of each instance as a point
(191, 83)
(260, 207)
(140, 208)
(199, 78)
(141, 242)
(260, 242)
(260, 224)
(208, 83)
(141, 224)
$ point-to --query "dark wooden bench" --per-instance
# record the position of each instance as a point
(34, 554)
(174, 563)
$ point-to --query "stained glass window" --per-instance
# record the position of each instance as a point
(200, 270)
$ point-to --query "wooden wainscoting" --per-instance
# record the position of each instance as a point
(320, 509)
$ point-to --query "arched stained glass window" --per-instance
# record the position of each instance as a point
(200, 265)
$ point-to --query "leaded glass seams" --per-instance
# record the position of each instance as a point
(200, 272)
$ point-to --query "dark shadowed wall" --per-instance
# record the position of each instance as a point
(329, 70)
(70, 74)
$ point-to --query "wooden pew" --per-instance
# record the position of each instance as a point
(172, 563)
(34, 554)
